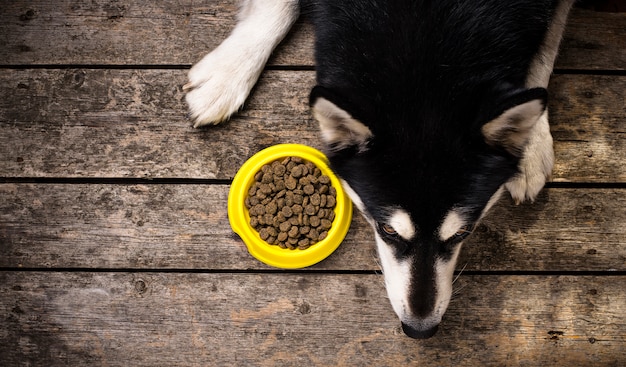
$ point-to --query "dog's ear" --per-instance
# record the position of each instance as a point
(339, 128)
(515, 119)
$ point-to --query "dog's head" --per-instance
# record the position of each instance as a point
(423, 179)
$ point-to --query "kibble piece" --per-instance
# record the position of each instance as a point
(280, 184)
(331, 202)
(287, 212)
(258, 209)
(296, 172)
(284, 227)
(322, 235)
(325, 224)
(296, 209)
(323, 189)
(267, 177)
(282, 236)
(315, 199)
(265, 188)
(308, 189)
(293, 232)
(264, 233)
(309, 209)
(258, 176)
(278, 169)
(271, 207)
(314, 221)
(313, 235)
(291, 183)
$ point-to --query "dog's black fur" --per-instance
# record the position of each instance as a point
(424, 77)
(424, 85)
(427, 109)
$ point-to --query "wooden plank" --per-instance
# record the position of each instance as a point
(587, 123)
(149, 319)
(180, 32)
(186, 227)
(106, 32)
(131, 123)
(594, 40)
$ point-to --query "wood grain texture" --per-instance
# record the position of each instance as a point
(132, 123)
(103, 226)
(148, 319)
(105, 32)
(110, 273)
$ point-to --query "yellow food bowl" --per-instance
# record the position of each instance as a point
(273, 255)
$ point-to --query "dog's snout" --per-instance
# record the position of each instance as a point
(419, 333)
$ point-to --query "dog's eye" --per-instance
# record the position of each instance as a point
(463, 232)
(387, 229)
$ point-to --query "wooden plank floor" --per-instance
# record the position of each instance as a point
(115, 248)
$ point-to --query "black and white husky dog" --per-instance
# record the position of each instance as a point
(429, 110)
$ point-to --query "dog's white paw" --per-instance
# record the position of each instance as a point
(536, 164)
(219, 85)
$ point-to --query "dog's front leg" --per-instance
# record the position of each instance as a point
(220, 83)
(536, 164)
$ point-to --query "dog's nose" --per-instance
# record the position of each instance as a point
(418, 333)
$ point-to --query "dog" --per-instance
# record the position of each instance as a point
(429, 111)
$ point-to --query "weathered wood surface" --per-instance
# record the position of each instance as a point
(186, 227)
(180, 32)
(107, 272)
(171, 319)
(132, 123)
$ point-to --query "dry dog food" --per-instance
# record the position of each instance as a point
(291, 203)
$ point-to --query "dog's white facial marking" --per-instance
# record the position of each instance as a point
(397, 275)
(451, 224)
(402, 224)
(356, 200)
(444, 271)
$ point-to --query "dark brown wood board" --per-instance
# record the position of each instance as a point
(166, 226)
(132, 123)
(180, 32)
(173, 319)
